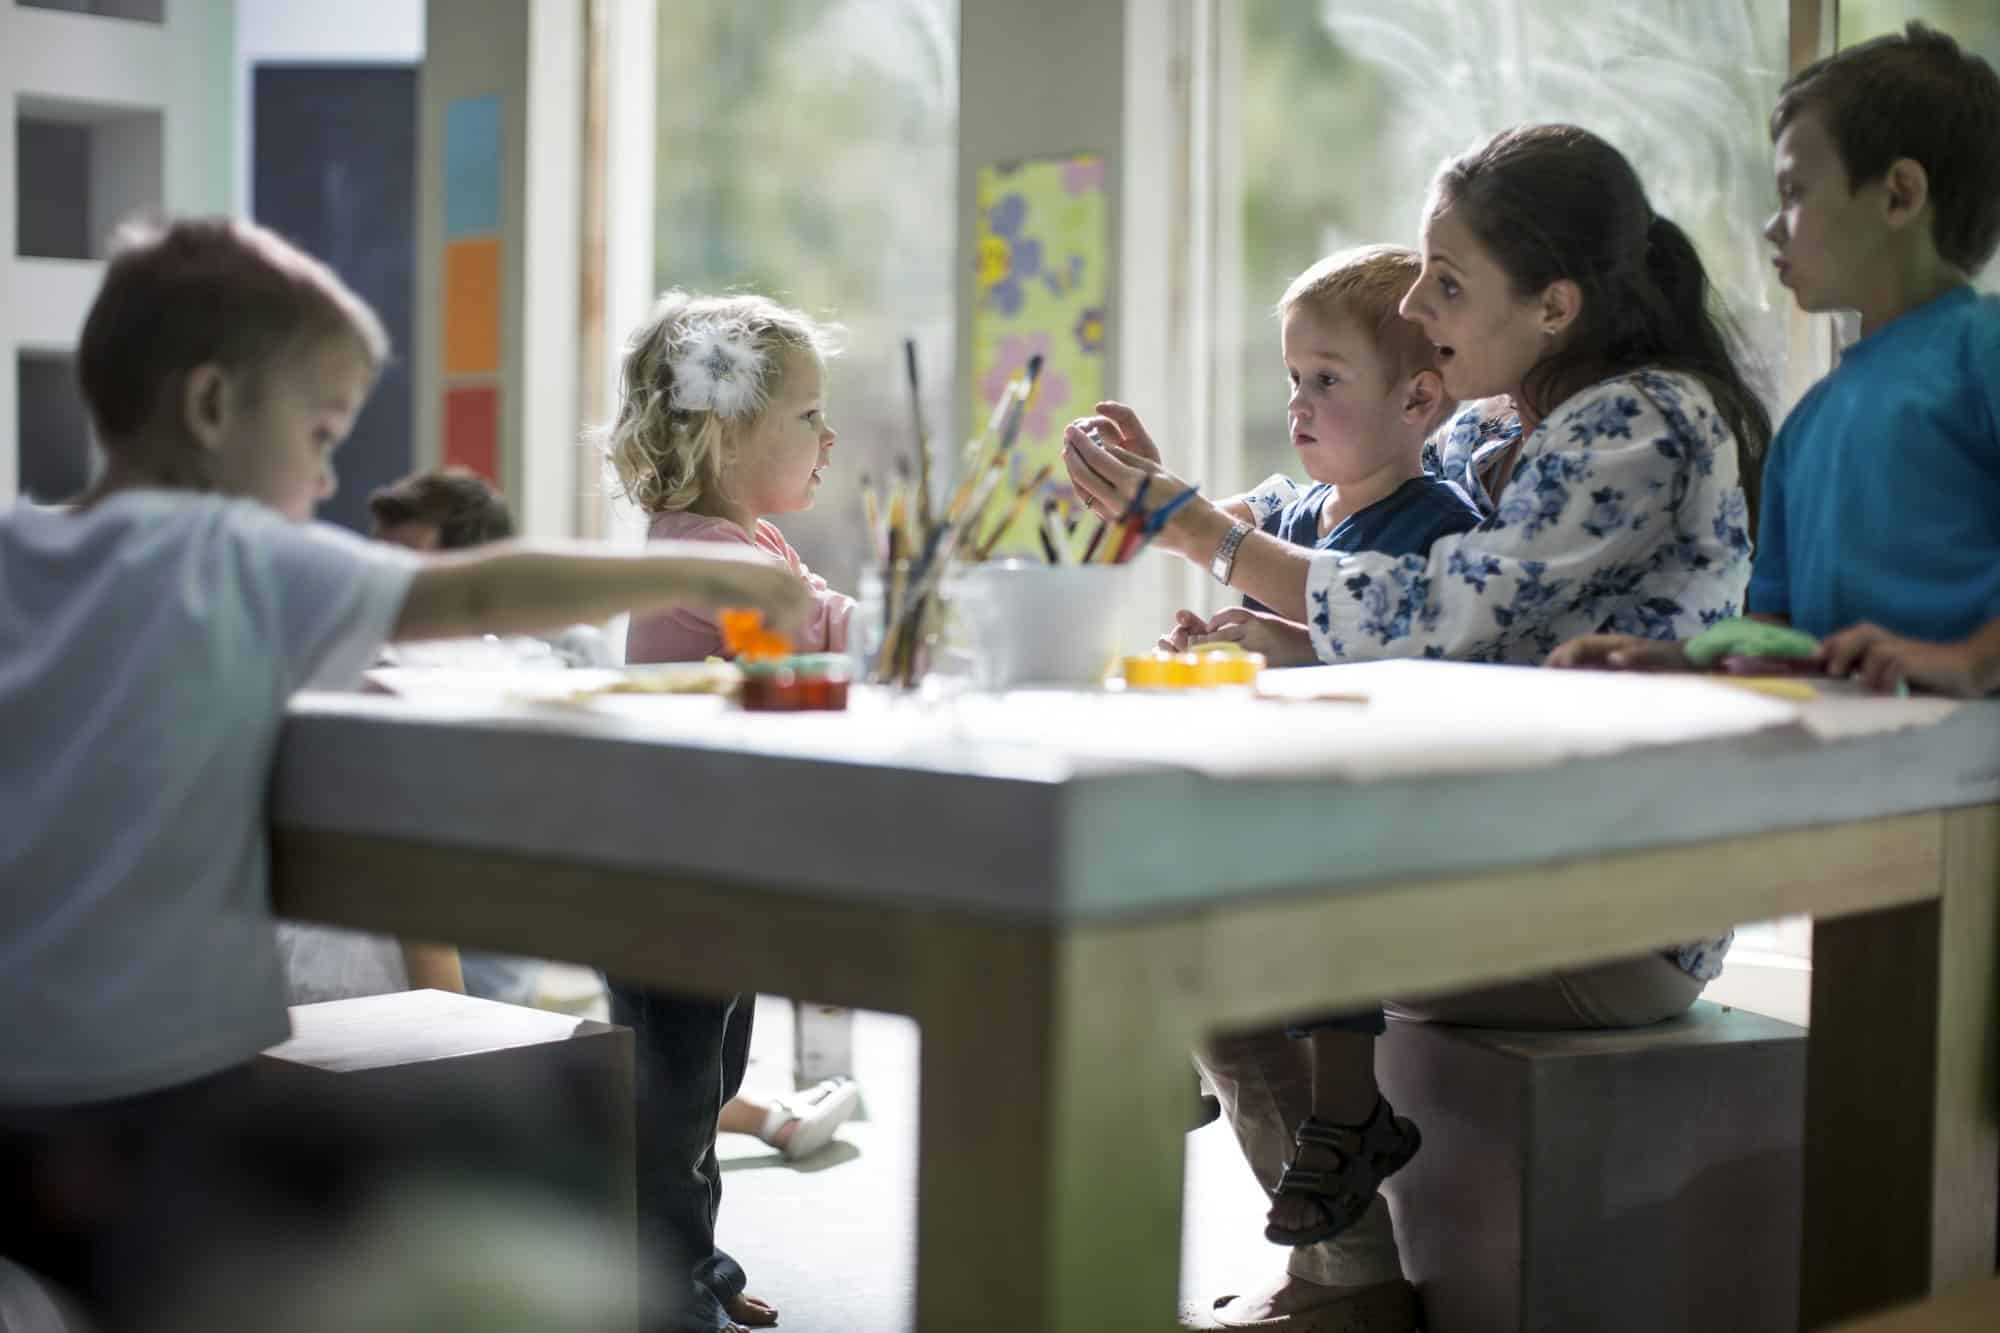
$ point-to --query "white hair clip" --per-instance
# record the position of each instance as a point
(718, 370)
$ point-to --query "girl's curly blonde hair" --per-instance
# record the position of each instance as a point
(697, 376)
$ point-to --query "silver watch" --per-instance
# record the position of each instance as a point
(1224, 563)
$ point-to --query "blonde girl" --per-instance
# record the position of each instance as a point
(722, 423)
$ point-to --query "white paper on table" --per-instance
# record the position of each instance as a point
(1843, 716)
(1419, 718)
(491, 687)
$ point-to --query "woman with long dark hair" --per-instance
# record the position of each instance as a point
(1609, 435)
(1608, 438)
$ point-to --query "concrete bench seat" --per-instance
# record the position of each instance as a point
(1634, 1180)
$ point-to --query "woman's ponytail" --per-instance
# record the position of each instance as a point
(1700, 338)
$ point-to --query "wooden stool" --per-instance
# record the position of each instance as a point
(1642, 1179)
(408, 1045)
(1970, 1307)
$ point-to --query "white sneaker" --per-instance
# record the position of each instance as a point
(814, 1114)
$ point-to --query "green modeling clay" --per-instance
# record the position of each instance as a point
(1748, 638)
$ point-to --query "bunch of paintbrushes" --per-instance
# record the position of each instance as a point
(916, 544)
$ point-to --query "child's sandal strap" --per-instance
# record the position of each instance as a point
(1318, 1133)
(1297, 1180)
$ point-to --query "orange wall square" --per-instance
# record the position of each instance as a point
(472, 306)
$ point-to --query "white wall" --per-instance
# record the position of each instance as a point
(1110, 78)
(181, 68)
(316, 32)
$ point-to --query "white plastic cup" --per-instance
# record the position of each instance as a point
(1040, 624)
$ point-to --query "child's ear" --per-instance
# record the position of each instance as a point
(205, 404)
(1906, 189)
(1422, 396)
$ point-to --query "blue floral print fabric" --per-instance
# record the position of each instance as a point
(1624, 514)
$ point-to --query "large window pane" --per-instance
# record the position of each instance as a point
(807, 151)
(1349, 105)
(1974, 23)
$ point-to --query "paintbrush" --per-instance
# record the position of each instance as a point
(871, 515)
(923, 436)
(925, 578)
(1051, 533)
(1033, 383)
(913, 524)
(897, 572)
(975, 461)
(1096, 540)
(1013, 511)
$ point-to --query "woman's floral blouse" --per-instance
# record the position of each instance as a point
(1623, 514)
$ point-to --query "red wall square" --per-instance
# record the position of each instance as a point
(472, 429)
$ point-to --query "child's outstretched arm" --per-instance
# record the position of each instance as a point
(1619, 652)
(432, 966)
(1631, 652)
(1969, 668)
(522, 587)
(1282, 642)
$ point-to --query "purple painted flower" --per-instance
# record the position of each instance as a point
(1089, 331)
(1082, 174)
(1007, 259)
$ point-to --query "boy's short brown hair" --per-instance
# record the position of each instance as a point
(1914, 94)
(197, 291)
(1367, 285)
(459, 503)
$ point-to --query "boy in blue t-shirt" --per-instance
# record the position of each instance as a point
(1880, 519)
(1365, 391)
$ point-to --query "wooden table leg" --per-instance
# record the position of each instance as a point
(1056, 1095)
(1902, 1148)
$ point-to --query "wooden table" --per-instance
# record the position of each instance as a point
(1065, 919)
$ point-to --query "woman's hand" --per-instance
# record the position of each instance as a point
(1283, 642)
(1121, 428)
(1620, 652)
(1109, 478)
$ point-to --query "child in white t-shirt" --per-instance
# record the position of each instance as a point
(444, 509)
(150, 636)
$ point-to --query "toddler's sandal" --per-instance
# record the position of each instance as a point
(1366, 1155)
